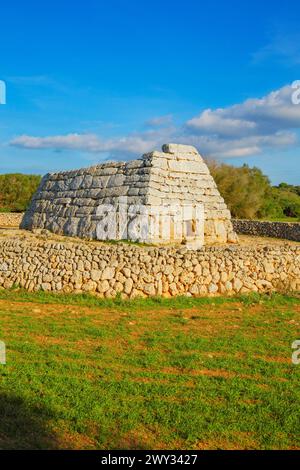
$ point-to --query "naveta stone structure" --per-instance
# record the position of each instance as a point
(71, 203)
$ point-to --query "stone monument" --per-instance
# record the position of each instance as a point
(172, 188)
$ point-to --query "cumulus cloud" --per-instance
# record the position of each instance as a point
(241, 130)
(214, 147)
(248, 127)
(270, 114)
(217, 122)
(86, 142)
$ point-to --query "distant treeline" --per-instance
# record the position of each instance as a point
(247, 192)
(16, 191)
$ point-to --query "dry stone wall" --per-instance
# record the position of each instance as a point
(285, 230)
(10, 219)
(131, 271)
(68, 202)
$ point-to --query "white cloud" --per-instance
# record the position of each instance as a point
(249, 127)
(241, 147)
(272, 113)
(244, 129)
(218, 123)
(86, 142)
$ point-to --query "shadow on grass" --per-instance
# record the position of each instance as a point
(24, 426)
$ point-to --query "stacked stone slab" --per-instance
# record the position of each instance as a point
(68, 202)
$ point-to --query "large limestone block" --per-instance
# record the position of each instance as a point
(134, 164)
(188, 167)
(179, 149)
(161, 163)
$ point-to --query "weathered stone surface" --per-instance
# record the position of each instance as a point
(128, 286)
(108, 273)
(178, 149)
(96, 275)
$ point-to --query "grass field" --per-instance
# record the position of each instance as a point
(83, 373)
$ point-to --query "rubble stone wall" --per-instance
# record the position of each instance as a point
(285, 230)
(10, 219)
(131, 271)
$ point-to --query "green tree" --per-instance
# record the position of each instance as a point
(288, 200)
(244, 189)
(249, 194)
(16, 191)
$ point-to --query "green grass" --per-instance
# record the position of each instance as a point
(4, 210)
(88, 300)
(191, 373)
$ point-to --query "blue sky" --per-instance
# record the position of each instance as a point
(96, 80)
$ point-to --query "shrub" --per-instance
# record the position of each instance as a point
(244, 189)
(249, 194)
(16, 191)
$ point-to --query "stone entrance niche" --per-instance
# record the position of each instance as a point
(164, 197)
